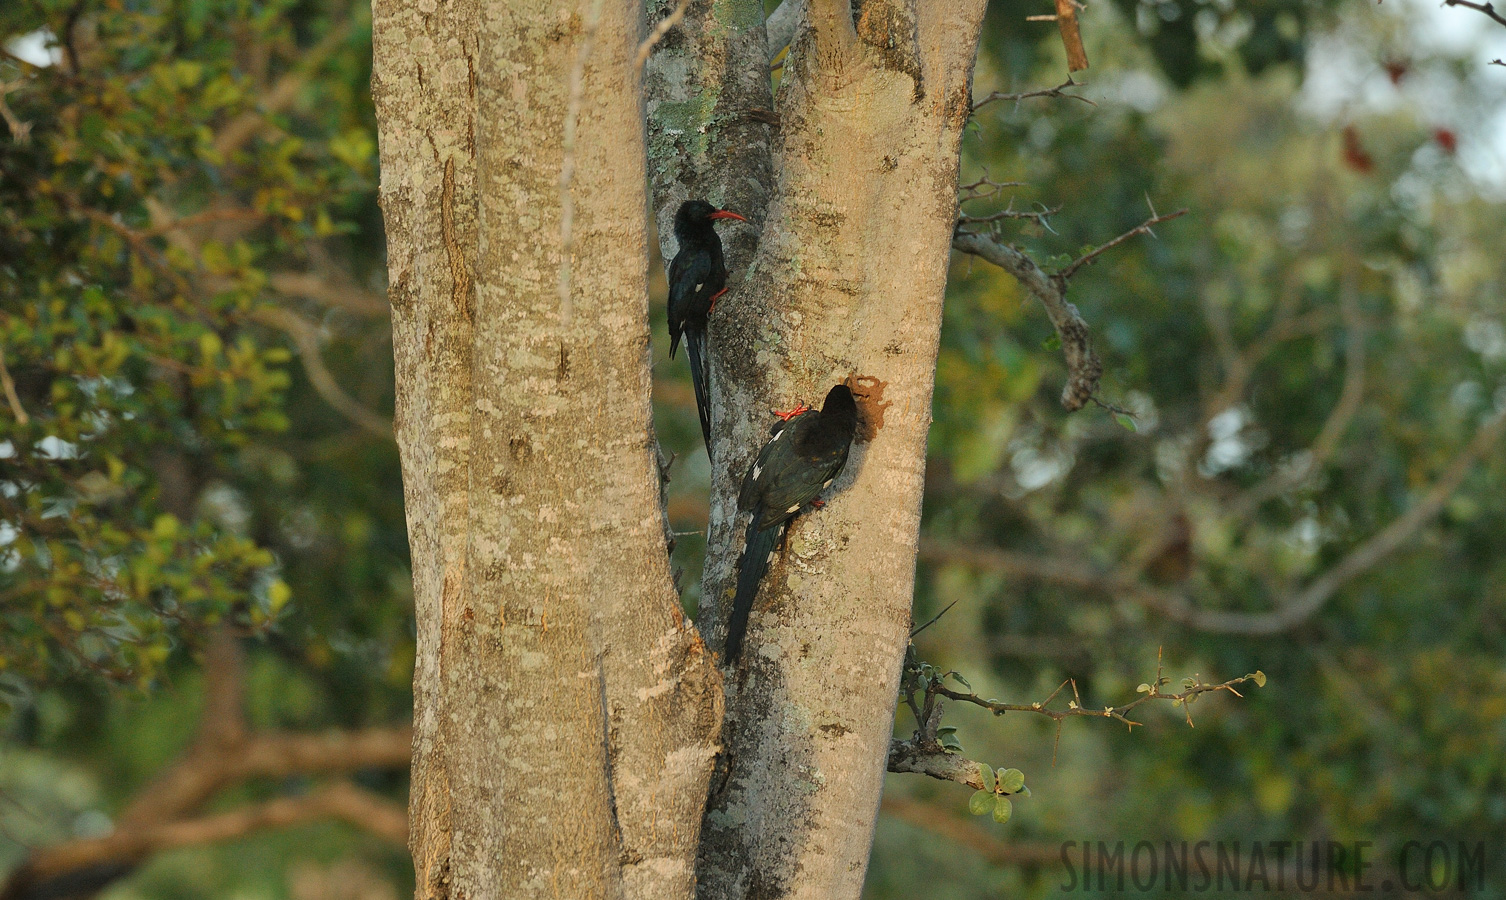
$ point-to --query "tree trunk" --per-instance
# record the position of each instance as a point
(847, 283)
(566, 716)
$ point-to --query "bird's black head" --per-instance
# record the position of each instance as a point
(695, 217)
(841, 410)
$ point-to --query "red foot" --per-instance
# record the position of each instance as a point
(712, 307)
(818, 504)
(787, 415)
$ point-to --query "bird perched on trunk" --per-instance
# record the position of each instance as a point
(697, 276)
(805, 454)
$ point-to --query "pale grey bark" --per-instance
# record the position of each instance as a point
(566, 715)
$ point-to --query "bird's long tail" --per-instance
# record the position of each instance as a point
(695, 347)
(750, 569)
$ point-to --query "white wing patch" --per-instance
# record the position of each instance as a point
(756, 472)
(701, 285)
(777, 435)
(793, 509)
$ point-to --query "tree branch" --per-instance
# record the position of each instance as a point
(1058, 91)
(305, 335)
(914, 757)
(245, 126)
(341, 800)
(835, 32)
(1084, 368)
(1339, 418)
(350, 297)
(1288, 613)
(657, 33)
(1143, 228)
(1486, 8)
(960, 833)
(11, 396)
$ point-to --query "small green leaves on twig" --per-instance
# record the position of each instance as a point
(994, 795)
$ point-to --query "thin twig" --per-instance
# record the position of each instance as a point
(657, 33)
(1486, 8)
(203, 218)
(1192, 688)
(1142, 228)
(305, 335)
(1039, 216)
(933, 619)
(11, 396)
(1058, 91)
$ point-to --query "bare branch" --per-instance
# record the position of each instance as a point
(657, 33)
(305, 335)
(11, 396)
(1288, 613)
(1192, 688)
(348, 296)
(781, 24)
(1039, 217)
(1334, 426)
(340, 800)
(1058, 91)
(1084, 369)
(919, 758)
(1486, 8)
(245, 126)
(959, 832)
(1066, 22)
(1143, 228)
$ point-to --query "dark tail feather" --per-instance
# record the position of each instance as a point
(695, 348)
(755, 561)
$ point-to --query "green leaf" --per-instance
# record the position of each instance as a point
(278, 594)
(960, 680)
(1011, 780)
(1003, 809)
(981, 802)
(1054, 342)
(986, 772)
(1258, 678)
(1127, 421)
(950, 743)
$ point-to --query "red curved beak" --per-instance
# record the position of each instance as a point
(726, 214)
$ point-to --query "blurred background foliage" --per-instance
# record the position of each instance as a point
(194, 435)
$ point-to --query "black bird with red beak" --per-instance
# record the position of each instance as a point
(697, 276)
(804, 456)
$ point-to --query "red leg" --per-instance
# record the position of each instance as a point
(789, 414)
(714, 297)
(818, 504)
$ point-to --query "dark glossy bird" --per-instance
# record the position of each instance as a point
(697, 276)
(805, 454)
